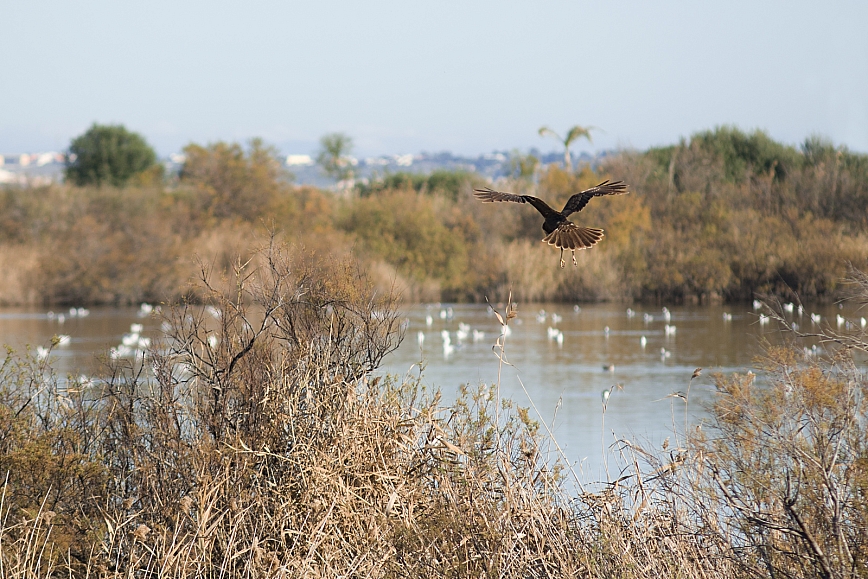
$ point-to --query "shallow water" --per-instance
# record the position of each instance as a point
(567, 376)
(601, 347)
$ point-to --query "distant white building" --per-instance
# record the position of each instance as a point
(43, 159)
(376, 161)
(299, 160)
(404, 160)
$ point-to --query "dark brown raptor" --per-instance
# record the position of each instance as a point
(560, 231)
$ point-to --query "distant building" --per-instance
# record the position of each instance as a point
(43, 159)
(404, 160)
(32, 169)
(299, 160)
(44, 167)
(376, 162)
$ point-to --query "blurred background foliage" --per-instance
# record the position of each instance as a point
(717, 217)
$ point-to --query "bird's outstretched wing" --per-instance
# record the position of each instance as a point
(568, 235)
(578, 201)
(487, 195)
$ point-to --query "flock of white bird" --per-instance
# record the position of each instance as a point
(669, 330)
(816, 319)
(63, 340)
(791, 308)
(132, 342)
(465, 333)
(462, 335)
(60, 318)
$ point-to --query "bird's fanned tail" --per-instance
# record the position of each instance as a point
(571, 236)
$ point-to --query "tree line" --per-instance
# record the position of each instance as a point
(720, 216)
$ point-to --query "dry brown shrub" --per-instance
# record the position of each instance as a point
(285, 456)
(261, 445)
(18, 262)
(234, 184)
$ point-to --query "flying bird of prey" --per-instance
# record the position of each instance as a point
(560, 231)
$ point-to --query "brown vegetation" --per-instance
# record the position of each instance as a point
(257, 444)
(254, 440)
(721, 217)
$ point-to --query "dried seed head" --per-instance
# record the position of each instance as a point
(511, 313)
(186, 503)
(141, 532)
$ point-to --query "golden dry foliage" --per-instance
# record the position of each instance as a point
(124, 246)
(777, 481)
(231, 183)
(718, 217)
(424, 236)
(54, 482)
(287, 459)
(261, 446)
(788, 464)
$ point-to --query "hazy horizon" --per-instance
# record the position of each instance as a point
(405, 78)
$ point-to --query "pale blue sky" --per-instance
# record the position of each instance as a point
(470, 77)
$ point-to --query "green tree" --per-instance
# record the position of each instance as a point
(748, 154)
(572, 135)
(333, 155)
(108, 155)
(523, 166)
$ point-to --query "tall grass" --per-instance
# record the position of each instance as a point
(254, 441)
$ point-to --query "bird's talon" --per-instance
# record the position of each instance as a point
(563, 263)
(575, 263)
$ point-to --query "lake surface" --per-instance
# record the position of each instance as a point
(601, 345)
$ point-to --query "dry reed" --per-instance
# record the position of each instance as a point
(258, 444)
